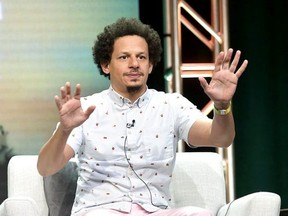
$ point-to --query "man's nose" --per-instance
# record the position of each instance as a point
(134, 62)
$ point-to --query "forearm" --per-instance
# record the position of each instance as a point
(216, 132)
(222, 130)
(55, 153)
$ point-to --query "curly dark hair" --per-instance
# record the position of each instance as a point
(103, 46)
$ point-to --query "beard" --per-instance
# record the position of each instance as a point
(133, 89)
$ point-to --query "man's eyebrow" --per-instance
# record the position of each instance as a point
(128, 53)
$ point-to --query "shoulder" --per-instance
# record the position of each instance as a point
(174, 101)
(94, 99)
(168, 97)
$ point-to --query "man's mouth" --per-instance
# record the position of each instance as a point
(134, 75)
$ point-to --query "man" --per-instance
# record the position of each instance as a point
(125, 137)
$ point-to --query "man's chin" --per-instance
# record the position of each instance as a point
(134, 89)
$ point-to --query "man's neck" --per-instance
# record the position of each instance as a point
(132, 93)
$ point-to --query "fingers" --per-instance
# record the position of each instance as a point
(77, 91)
(241, 69)
(223, 62)
(57, 101)
(65, 94)
(219, 61)
(68, 88)
(226, 60)
(235, 61)
(65, 91)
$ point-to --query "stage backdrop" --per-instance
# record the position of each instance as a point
(260, 29)
(43, 44)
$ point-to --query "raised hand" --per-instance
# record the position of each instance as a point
(69, 108)
(223, 83)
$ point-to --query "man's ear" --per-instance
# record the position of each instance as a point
(105, 68)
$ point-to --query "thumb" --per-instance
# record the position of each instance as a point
(89, 111)
(203, 82)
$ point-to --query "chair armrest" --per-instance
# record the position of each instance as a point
(2, 210)
(255, 204)
(19, 206)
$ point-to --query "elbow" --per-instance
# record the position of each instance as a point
(43, 172)
(222, 144)
(43, 168)
(227, 142)
(48, 167)
(226, 145)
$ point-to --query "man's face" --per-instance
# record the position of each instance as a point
(129, 66)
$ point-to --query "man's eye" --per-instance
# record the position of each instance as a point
(142, 57)
(123, 57)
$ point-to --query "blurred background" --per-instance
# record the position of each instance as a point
(43, 44)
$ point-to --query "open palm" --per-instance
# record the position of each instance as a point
(69, 107)
(223, 83)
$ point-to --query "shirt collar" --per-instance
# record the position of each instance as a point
(121, 101)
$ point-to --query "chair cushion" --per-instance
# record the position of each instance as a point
(60, 190)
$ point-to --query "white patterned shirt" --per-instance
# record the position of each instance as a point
(126, 151)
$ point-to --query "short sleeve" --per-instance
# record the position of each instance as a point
(75, 139)
(186, 115)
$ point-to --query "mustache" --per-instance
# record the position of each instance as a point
(133, 72)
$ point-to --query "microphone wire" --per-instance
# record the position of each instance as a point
(130, 165)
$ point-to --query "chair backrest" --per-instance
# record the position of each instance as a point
(24, 180)
(198, 180)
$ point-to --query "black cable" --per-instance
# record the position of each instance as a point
(228, 208)
(130, 165)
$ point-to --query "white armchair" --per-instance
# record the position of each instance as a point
(198, 180)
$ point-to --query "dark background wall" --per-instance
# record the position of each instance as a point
(259, 29)
(155, 20)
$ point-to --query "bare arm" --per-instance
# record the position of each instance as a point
(56, 153)
(220, 131)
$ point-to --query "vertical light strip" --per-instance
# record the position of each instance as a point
(1, 17)
(176, 52)
(167, 40)
(230, 149)
(218, 29)
(1, 14)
